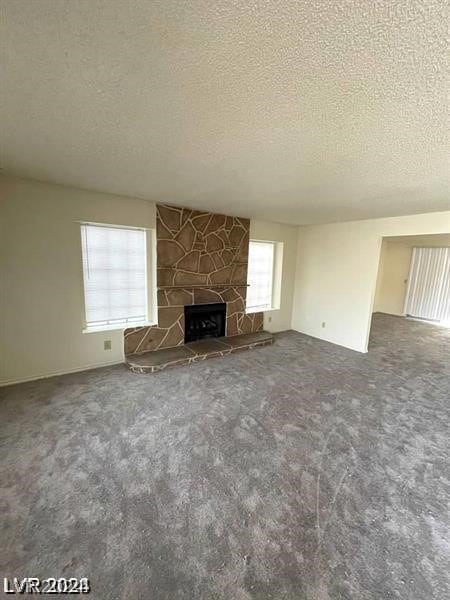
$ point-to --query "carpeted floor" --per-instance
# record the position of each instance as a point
(300, 470)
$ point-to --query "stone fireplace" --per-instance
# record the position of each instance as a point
(201, 260)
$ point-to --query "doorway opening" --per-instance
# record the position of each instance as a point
(414, 279)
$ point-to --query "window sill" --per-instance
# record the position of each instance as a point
(251, 311)
(117, 327)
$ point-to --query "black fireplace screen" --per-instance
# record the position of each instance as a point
(204, 321)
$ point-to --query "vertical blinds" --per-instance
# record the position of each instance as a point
(428, 294)
(260, 275)
(115, 275)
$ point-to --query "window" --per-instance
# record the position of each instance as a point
(261, 257)
(115, 276)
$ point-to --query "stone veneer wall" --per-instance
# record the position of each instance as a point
(201, 258)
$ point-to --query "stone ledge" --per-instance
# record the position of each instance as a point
(208, 286)
(157, 360)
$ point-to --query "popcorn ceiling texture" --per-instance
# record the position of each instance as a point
(297, 111)
(201, 258)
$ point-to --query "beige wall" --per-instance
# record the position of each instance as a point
(41, 299)
(392, 278)
(336, 275)
(329, 275)
(41, 279)
(280, 320)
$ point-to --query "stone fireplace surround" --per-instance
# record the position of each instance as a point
(201, 258)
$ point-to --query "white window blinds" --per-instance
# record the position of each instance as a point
(428, 293)
(115, 275)
(260, 275)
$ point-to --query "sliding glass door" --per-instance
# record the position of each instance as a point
(428, 293)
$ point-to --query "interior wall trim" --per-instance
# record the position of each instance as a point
(16, 380)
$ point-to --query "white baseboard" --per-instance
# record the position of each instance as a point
(14, 381)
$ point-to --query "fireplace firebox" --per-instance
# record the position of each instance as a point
(204, 321)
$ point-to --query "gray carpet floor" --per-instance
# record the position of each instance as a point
(300, 470)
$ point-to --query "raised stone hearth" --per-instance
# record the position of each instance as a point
(201, 258)
(157, 360)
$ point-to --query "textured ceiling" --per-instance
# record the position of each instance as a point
(294, 111)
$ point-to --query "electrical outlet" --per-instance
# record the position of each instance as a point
(107, 345)
(324, 324)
